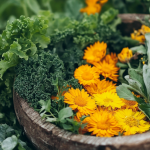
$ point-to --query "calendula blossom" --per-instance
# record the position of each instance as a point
(86, 75)
(107, 70)
(80, 101)
(95, 53)
(108, 99)
(132, 122)
(102, 123)
(125, 55)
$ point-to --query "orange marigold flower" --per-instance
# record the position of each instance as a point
(86, 74)
(125, 55)
(102, 123)
(101, 87)
(132, 122)
(130, 104)
(95, 53)
(111, 58)
(108, 99)
(80, 101)
(107, 70)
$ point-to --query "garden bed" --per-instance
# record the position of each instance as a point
(47, 136)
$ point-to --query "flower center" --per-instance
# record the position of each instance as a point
(87, 76)
(97, 53)
(80, 101)
(102, 126)
(131, 121)
(108, 100)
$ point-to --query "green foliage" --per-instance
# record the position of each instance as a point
(11, 139)
(138, 81)
(64, 118)
(21, 39)
(38, 78)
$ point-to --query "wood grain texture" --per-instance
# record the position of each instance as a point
(46, 136)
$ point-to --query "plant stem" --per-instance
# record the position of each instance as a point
(25, 9)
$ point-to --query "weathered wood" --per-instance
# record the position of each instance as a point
(46, 136)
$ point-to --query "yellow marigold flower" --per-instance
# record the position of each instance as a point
(86, 75)
(95, 53)
(130, 104)
(111, 58)
(125, 55)
(79, 101)
(108, 99)
(101, 87)
(102, 123)
(107, 70)
(138, 36)
(144, 29)
(132, 122)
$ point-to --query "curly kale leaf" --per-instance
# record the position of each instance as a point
(21, 39)
(36, 79)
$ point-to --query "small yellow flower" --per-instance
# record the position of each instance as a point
(86, 75)
(125, 55)
(132, 122)
(80, 101)
(102, 123)
(95, 53)
(108, 99)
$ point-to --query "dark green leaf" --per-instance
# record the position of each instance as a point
(145, 108)
(122, 65)
(140, 100)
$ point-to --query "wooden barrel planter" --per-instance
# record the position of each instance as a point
(47, 136)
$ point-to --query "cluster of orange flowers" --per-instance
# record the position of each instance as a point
(93, 6)
(139, 35)
(107, 114)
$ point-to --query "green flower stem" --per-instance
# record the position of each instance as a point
(25, 9)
